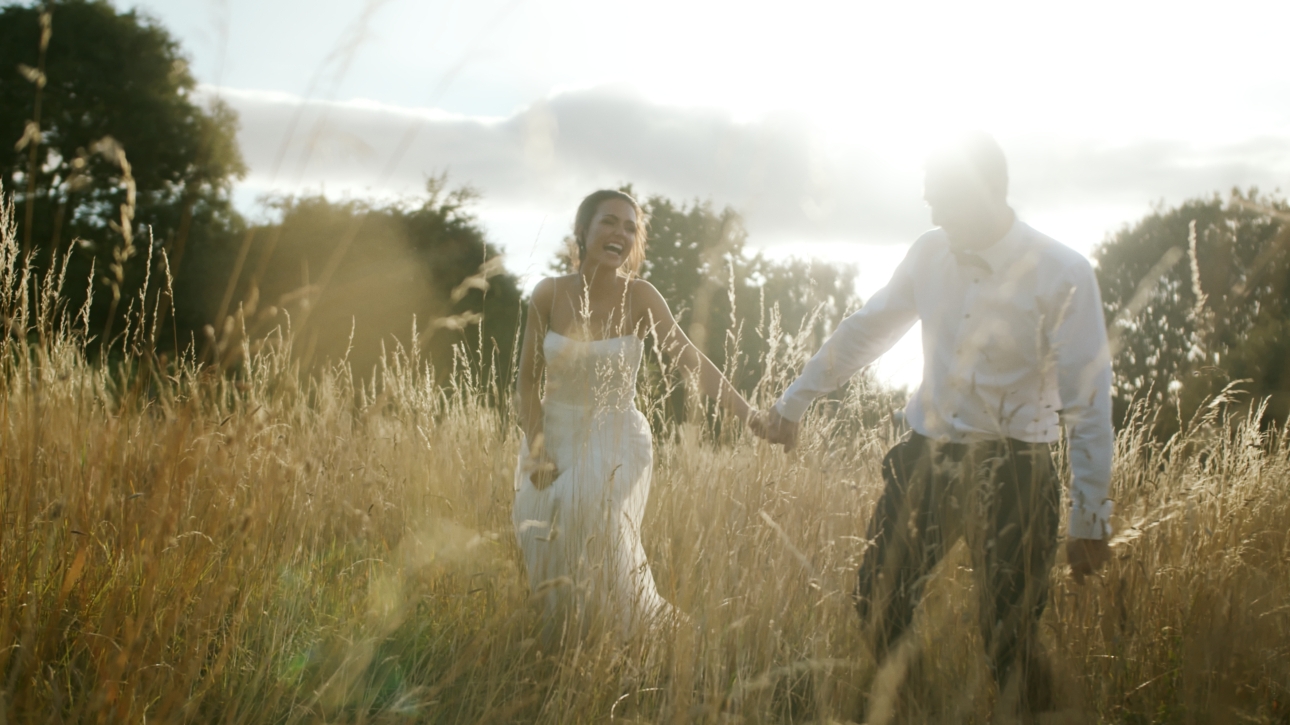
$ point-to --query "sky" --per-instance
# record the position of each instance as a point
(811, 118)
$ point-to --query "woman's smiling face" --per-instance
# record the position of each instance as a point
(611, 234)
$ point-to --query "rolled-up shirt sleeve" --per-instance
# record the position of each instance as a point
(859, 340)
(1083, 364)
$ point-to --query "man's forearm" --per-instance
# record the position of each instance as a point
(859, 340)
(1091, 442)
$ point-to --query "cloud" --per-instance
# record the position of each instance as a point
(787, 180)
(550, 154)
(1054, 172)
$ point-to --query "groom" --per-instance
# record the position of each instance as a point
(1014, 346)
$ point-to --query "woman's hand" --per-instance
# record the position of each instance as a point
(544, 471)
(1086, 556)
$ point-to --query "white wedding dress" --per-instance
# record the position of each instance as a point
(580, 537)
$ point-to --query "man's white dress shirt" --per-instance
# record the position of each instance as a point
(1014, 344)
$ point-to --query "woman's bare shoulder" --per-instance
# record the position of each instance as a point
(648, 301)
(645, 294)
(642, 291)
(543, 297)
(545, 290)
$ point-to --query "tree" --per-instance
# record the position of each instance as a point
(698, 261)
(349, 277)
(1197, 297)
(112, 147)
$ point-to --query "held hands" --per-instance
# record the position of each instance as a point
(1086, 556)
(774, 428)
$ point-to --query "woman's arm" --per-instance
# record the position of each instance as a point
(529, 384)
(674, 343)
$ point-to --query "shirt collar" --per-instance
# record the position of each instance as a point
(999, 255)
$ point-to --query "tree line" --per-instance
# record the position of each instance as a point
(116, 169)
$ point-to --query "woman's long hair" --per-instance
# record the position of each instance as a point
(582, 224)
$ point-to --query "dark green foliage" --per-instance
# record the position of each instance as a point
(351, 275)
(118, 75)
(1174, 352)
(329, 267)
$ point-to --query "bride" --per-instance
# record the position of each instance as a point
(585, 459)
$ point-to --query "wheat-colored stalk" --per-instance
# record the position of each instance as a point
(255, 544)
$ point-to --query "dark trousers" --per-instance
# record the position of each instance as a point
(1002, 497)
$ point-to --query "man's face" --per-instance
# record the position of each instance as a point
(960, 203)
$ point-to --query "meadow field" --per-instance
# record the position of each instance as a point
(241, 541)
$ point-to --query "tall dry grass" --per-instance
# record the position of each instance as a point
(184, 544)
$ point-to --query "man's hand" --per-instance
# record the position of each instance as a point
(775, 428)
(1086, 556)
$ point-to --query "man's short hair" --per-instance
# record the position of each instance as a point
(974, 156)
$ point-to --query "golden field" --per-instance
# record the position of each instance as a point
(258, 544)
